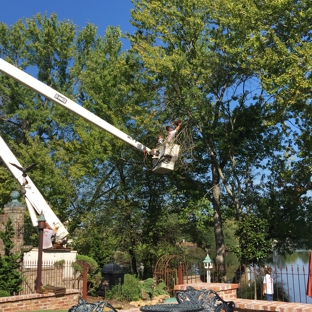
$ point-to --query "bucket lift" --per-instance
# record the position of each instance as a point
(164, 158)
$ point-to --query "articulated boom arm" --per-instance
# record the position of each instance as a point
(164, 158)
(62, 100)
(34, 200)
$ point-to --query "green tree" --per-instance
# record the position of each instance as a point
(94, 180)
(114, 88)
(288, 204)
(94, 238)
(10, 275)
(28, 126)
(199, 69)
(236, 73)
(254, 243)
(279, 40)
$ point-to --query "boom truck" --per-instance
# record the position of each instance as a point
(163, 157)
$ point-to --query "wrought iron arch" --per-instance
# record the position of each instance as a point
(166, 270)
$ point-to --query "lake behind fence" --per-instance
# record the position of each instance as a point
(291, 272)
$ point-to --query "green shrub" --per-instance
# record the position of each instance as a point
(94, 276)
(132, 288)
(92, 266)
(11, 276)
(153, 290)
(4, 293)
(129, 291)
(160, 289)
(148, 286)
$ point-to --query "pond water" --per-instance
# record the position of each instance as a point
(293, 271)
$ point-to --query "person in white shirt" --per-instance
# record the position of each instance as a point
(47, 237)
(160, 140)
(268, 284)
(172, 132)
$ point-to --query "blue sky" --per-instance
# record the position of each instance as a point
(101, 13)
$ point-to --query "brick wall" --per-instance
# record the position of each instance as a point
(14, 210)
(245, 305)
(228, 292)
(36, 302)
(225, 290)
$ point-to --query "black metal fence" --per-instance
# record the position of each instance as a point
(54, 273)
(290, 282)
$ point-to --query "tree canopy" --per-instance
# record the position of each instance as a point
(236, 73)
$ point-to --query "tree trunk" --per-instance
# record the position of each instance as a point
(133, 261)
(218, 231)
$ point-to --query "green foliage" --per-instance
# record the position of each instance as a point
(10, 276)
(160, 289)
(129, 291)
(235, 73)
(132, 288)
(4, 293)
(198, 66)
(59, 264)
(288, 205)
(93, 275)
(151, 289)
(253, 241)
(148, 286)
(90, 241)
(30, 232)
(92, 266)
(6, 187)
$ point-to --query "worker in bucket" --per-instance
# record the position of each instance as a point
(48, 235)
(171, 132)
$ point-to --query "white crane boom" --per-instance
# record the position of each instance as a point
(34, 199)
(164, 157)
(64, 101)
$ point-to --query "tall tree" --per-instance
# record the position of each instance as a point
(99, 174)
(50, 135)
(43, 46)
(197, 65)
(279, 37)
(114, 88)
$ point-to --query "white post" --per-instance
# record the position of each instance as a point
(208, 276)
(208, 264)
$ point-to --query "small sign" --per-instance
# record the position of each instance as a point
(60, 98)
